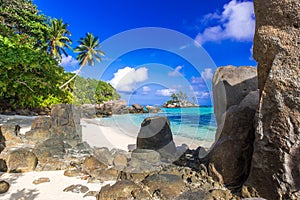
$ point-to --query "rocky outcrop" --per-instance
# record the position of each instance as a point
(230, 86)
(276, 158)
(153, 109)
(156, 134)
(22, 160)
(63, 123)
(169, 185)
(236, 100)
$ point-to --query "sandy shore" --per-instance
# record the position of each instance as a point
(21, 186)
(98, 135)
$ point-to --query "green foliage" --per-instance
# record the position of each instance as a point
(91, 91)
(27, 75)
(59, 39)
(88, 50)
(21, 17)
(30, 47)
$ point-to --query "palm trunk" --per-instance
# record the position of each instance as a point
(76, 74)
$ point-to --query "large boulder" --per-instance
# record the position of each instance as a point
(40, 128)
(230, 86)
(156, 134)
(169, 185)
(235, 104)
(275, 164)
(66, 122)
(231, 154)
(22, 160)
(63, 123)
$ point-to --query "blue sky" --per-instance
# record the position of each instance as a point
(190, 40)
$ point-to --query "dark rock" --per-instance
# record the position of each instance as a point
(76, 189)
(41, 180)
(22, 160)
(3, 166)
(136, 108)
(168, 185)
(4, 186)
(231, 154)
(155, 133)
(230, 86)
(276, 158)
(122, 190)
(40, 129)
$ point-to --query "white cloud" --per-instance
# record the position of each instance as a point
(125, 79)
(202, 94)
(207, 74)
(165, 92)
(176, 71)
(146, 90)
(236, 22)
(196, 80)
(68, 61)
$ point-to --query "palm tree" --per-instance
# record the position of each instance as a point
(87, 52)
(59, 39)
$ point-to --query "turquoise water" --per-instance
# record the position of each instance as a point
(196, 123)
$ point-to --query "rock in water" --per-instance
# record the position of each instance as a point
(155, 134)
(236, 100)
(275, 165)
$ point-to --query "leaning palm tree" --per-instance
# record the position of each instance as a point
(87, 52)
(59, 39)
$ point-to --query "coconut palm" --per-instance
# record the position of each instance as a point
(59, 39)
(88, 51)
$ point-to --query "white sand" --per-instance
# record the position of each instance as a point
(96, 135)
(21, 186)
(117, 137)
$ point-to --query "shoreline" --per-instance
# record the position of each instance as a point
(98, 135)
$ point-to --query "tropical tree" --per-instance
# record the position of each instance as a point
(174, 97)
(88, 51)
(59, 39)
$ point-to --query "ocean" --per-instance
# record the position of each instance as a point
(195, 123)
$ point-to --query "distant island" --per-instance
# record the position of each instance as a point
(180, 100)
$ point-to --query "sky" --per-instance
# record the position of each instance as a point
(159, 47)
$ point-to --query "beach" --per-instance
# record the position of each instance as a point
(96, 135)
